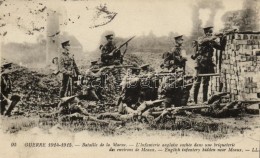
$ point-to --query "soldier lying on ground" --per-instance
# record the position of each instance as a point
(128, 113)
(72, 108)
(154, 112)
(219, 107)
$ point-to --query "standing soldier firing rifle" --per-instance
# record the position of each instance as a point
(205, 65)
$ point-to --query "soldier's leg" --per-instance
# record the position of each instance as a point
(15, 99)
(185, 97)
(205, 88)
(93, 94)
(196, 89)
(64, 83)
(114, 116)
(3, 106)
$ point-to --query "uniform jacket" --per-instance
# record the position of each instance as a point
(67, 64)
(206, 46)
(108, 48)
(174, 57)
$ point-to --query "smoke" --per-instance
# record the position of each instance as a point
(250, 16)
(246, 19)
(213, 6)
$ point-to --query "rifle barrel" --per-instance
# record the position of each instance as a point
(183, 108)
(205, 75)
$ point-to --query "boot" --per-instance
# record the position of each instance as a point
(205, 93)
(196, 92)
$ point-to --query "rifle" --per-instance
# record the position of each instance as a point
(118, 66)
(180, 108)
(223, 34)
(116, 49)
(207, 75)
(148, 104)
(195, 45)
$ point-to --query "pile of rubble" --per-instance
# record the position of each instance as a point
(37, 90)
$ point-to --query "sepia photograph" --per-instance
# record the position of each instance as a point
(130, 78)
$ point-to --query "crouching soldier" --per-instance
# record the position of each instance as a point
(175, 90)
(131, 90)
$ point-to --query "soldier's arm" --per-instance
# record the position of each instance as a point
(104, 50)
(222, 43)
(178, 57)
(75, 67)
(218, 46)
(203, 40)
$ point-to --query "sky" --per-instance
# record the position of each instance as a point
(133, 17)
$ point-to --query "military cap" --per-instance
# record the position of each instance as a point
(109, 36)
(178, 37)
(144, 66)
(6, 65)
(95, 70)
(94, 62)
(65, 43)
(207, 28)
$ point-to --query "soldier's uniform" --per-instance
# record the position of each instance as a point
(149, 84)
(205, 65)
(175, 90)
(69, 70)
(131, 90)
(106, 57)
(6, 85)
(174, 59)
(6, 104)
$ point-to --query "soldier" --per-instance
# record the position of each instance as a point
(68, 68)
(6, 105)
(131, 90)
(95, 83)
(94, 64)
(175, 90)
(149, 83)
(110, 54)
(206, 45)
(70, 108)
(176, 57)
